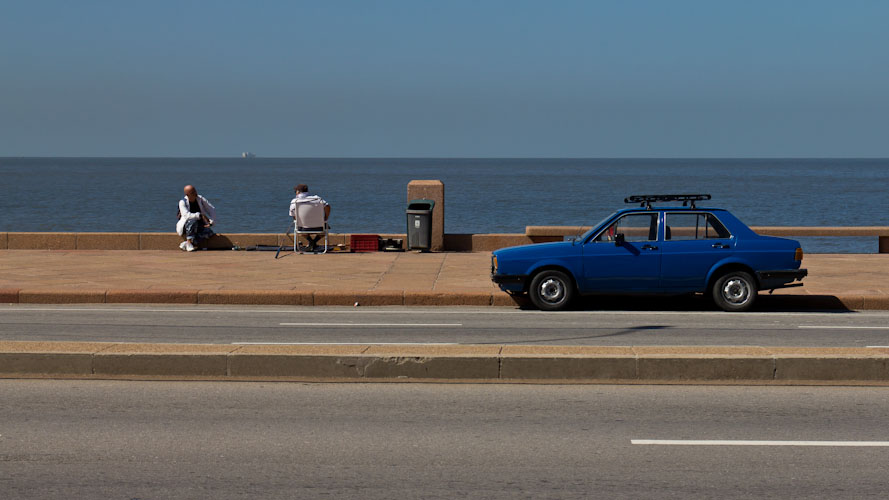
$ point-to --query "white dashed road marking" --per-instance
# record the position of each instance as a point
(372, 324)
(698, 442)
(344, 343)
(844, 327)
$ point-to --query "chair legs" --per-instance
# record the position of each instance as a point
(297, 248)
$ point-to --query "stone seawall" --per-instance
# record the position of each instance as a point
(170, 241)
(451, 242)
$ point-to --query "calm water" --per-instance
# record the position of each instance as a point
(483, 195)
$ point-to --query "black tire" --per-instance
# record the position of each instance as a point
(734, 291)
(551, 290)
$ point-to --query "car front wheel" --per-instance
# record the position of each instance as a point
(551, 290)
(735, 291)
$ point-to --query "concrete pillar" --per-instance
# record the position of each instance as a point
(884, 244)
(431, 190)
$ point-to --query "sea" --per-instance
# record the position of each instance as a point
(483, 195)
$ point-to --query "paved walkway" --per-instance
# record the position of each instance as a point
(227, 270)
(865, 276)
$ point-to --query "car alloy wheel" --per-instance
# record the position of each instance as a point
(551, 290)
(735, 291)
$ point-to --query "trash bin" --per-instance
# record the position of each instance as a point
(419, 224)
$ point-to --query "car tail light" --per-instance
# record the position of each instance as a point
(493, 264)
(798, 255)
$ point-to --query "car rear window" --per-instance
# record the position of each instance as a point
(694, 226)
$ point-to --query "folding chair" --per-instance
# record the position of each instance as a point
(309, 220)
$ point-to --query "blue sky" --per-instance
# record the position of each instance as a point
(445, 78)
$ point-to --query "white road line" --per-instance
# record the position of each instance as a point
(814, 327)
(371, 324)
(344, 343)
(877, 346)
(698, 442)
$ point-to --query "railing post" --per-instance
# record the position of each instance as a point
(884, 244)
(431, 190)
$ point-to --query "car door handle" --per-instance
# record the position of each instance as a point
(720, 245)
(649, 247)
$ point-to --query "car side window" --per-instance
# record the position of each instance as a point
(691, 226)
(634, 227)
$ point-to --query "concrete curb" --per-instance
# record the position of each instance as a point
(373, 298)
(448, 363)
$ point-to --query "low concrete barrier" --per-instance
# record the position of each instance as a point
(452, 242)
(106, 241)
(163, 241)
(450, 363)
(42, 241)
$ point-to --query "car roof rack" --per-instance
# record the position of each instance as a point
(645, 200)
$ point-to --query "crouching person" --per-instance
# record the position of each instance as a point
(196, 215)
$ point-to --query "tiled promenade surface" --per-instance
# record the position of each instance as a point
(231, 270)
(861, 281)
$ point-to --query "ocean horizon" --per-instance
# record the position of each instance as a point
(483, 195)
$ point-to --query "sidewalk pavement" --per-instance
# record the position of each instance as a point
(853, 281)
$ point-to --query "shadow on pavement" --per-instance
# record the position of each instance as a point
(699, 302)
(801, 303)
(618, 333)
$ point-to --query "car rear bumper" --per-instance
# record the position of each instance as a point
(769, 280)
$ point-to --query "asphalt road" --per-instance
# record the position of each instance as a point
(480, 325)
(104, 439)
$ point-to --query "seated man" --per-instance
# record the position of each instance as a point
(302, 195)
(196, 215)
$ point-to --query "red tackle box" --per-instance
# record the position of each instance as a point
(364, 242)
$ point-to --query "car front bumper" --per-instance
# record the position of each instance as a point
(783, 278)
(510, 282)
(509, 279)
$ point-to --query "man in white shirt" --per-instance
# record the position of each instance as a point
(196, 215)
(303, 196)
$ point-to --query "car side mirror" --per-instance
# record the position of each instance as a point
(618, 239)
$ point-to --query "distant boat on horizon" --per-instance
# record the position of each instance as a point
(248, 154)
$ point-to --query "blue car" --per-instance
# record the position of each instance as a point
(654, 250)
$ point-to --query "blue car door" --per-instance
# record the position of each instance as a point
(693, 243)
(632, 264)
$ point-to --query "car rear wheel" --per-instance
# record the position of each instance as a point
(735, 291)
(551, 290)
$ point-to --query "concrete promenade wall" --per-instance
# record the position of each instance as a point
(170, 241)
(451, 242)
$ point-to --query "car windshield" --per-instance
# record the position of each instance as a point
(595, 227)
